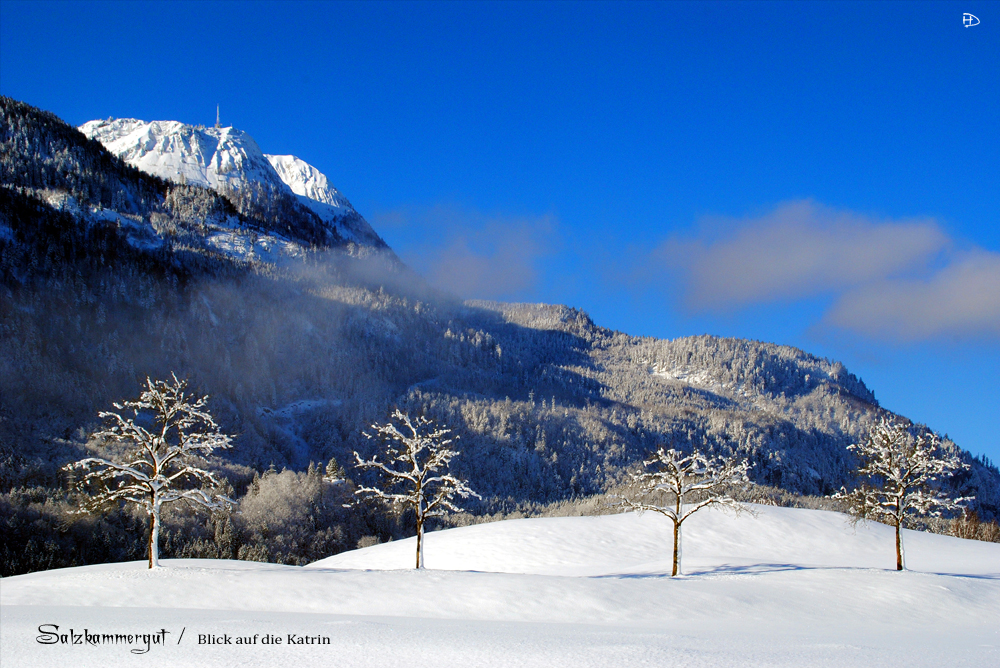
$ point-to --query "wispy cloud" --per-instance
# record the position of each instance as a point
(897, 280)
(801, 249)
(472, 254)
(961, 300)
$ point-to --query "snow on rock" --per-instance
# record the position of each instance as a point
(59, 200)
(306, 180)
(271, 249)
(791, 587)
(699, 377)
(222, 158)
(315, 191)
(210, 157)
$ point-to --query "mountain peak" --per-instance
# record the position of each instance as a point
(197, 155)
(227, 158)
(316, 192)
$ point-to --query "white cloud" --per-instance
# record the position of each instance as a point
(801, 249)
(895, 280)
(960, 301)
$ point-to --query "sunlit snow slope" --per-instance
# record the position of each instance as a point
(315, 191)
(712, 542)
(787, 588)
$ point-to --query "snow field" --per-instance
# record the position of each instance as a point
(789, 587)
(714, 541)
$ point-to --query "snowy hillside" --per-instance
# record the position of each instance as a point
(713, 542)
(227, 159)
(791, 587)
(315, 191)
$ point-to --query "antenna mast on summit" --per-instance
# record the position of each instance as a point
(217, 124)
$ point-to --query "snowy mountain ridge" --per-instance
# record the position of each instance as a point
(307, 181)
(225, 159)
(210, 157)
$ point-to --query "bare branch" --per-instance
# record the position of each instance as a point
(155, 462)
(681, 485)
(415, 471)
(900, 475)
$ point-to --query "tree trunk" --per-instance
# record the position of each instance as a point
(149, 540)
(677, 549)
(899, 547)
(154, 538)
(420, 543)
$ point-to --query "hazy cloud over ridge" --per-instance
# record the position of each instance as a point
(961, 300)
(895, 280)
(474, 255)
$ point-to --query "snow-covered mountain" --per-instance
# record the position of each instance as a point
(227, 159)
(314, 190)
(307, 181)
(211, 157)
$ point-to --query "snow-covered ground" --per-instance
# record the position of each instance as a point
(788, 588)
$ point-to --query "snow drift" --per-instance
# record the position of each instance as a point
(790, 587)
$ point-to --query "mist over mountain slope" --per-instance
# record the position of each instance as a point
(304, 336)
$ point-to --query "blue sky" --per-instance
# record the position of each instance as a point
(824, 175)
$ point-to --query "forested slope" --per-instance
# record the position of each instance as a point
(108, 275)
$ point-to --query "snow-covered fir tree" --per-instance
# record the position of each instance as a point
(899, 476)
(415, 474)
(682, 485)
(152, 445)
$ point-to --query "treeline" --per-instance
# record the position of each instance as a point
(39, 151)
(284, 517)
(280, 212)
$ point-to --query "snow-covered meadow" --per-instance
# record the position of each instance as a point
(790, 587)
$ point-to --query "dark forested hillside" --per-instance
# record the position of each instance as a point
(106, 278)
(39, 151)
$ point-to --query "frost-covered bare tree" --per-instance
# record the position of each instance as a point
(682, 485)
(898, 476)
(153, 445)
(415, 474)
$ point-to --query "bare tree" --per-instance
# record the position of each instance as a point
(898, 475)
(415, 471)
(682, 485)
(153, 455)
